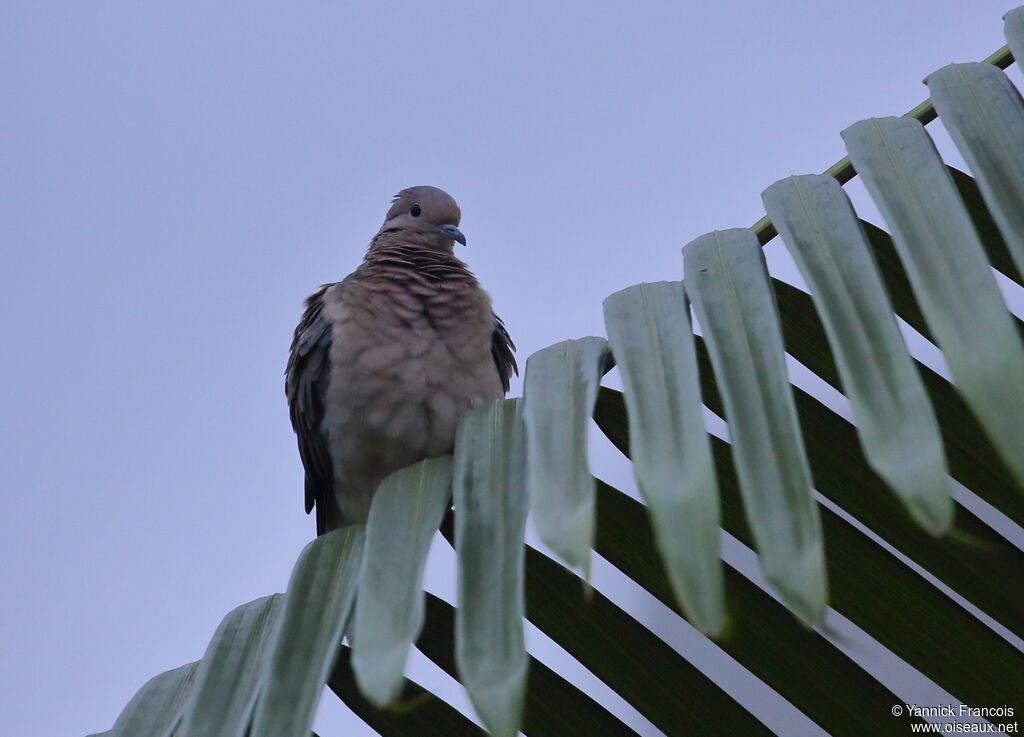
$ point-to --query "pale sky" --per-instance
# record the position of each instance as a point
(179, 176)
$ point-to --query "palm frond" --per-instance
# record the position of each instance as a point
(818, 497)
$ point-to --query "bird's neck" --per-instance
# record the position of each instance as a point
(392, 256)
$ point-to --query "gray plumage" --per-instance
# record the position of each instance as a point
(385, 361)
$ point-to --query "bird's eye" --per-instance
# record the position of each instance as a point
(415, 211)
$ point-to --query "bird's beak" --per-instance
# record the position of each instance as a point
(450, 231)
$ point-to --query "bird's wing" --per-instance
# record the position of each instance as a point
(306, 380)
(502, 348)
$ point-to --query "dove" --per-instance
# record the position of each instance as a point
(384, 362)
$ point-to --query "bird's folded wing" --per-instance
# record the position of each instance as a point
(306, 380)
(502, 348)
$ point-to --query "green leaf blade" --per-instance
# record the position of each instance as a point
(228, 676)
(984, 114)
(946, 264)
(972, 459)
(895, 421)
(421, 713)
(560, 389)
(407, 509)
(649, 330)
(727, 280)
(553, 706)
(314, 612)
(871, 587)
(155, 708)
(490, 520)
(1013, 31)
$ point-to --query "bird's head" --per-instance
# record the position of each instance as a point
(427, 215)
